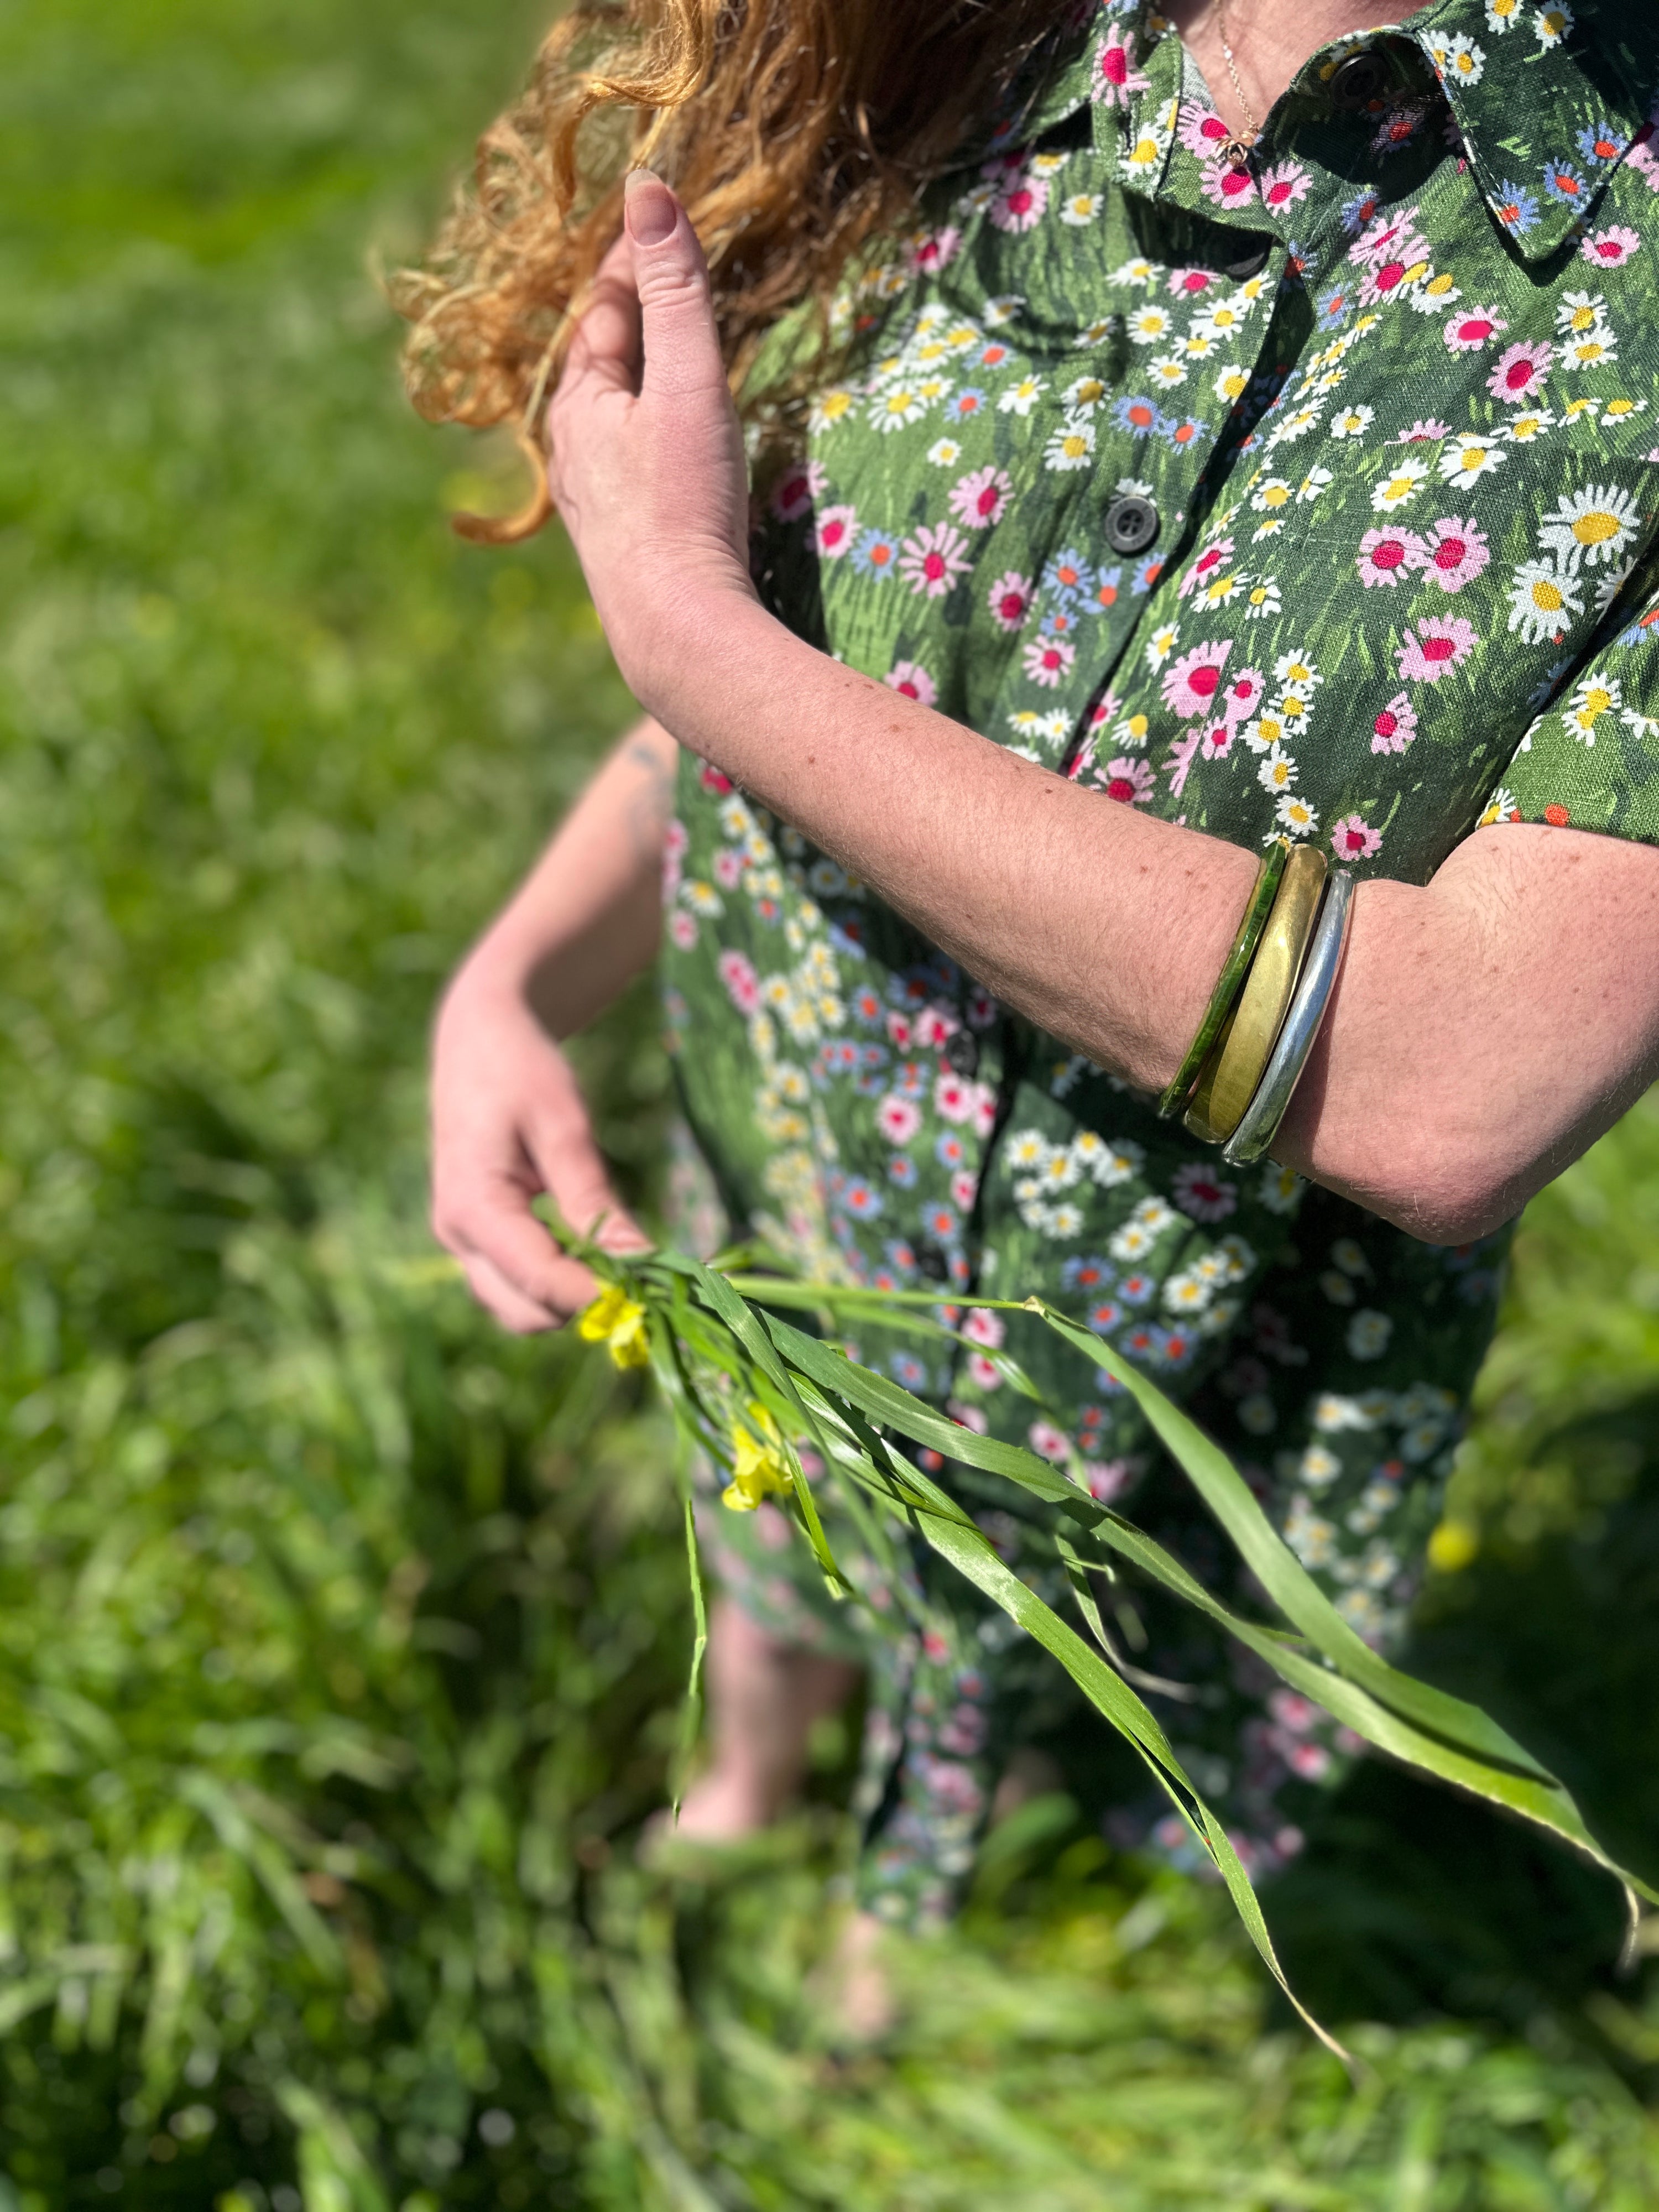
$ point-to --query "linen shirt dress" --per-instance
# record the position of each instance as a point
(1313, 498)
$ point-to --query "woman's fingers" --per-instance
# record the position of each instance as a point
(676, 316)
(604, 349)
(575, 1176)
(489, 1226)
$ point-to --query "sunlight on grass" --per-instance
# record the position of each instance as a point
(341, 1640)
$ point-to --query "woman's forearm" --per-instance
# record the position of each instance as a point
(1105, 925)
(587, 918)
(1443, 1091)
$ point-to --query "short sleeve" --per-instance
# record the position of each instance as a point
(1591, 758)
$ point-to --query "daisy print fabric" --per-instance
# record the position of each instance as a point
(1311, 498)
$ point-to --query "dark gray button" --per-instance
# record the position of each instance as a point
(1251, 258)
(933, 1263)
(961, 1052)
(1359, 80)
(1132, 524)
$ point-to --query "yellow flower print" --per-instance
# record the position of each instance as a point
(616, 1321)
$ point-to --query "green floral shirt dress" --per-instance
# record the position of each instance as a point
(1315, 498)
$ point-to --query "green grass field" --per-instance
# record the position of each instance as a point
(341, 1640)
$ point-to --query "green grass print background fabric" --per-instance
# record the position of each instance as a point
(341, 1639)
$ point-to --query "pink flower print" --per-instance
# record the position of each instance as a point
(1390, 238)
(1103, 1478)
(1047, 1440)
(1424, 433)
(1201, 130)
(1225, 184)
(1115, 75)
(1191, 284)
(1129, 779)
(910, 678)
(1611, 247)
(1203, 1195)
(983, 1327)
(1241, 695)
(932, 561)
(835, 531)
(1010, 599)
(1353, 839)
(983, 1372)
(1395, 726)
(898, 1119)
(934, 252)
(964, 1186)
(1427, 651)
(983, 1118)
(1048, 660)
(953, 1096)
(716, 780)
(728, 867)
(1217, 741)
(1455, 553)
(683, 928)
(796, 488)
(977, 500)
(1520, 370)
(737, 972)
(1213, 559)
(1284, 184)
(1383, 278)
(1191, 683)
(1473, 328)
(1386, 555)
(1020, 202)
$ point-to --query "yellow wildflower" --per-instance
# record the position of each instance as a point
(758, 1463)
(616, 1321)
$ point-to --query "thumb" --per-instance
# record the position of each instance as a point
(677, 315)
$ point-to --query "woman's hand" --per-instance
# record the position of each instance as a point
(645, 456)
(509, 1123)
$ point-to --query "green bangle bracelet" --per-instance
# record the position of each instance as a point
(1230, 981)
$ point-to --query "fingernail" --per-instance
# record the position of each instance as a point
(648, 208)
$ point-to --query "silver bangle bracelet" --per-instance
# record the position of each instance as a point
(1259, 1123)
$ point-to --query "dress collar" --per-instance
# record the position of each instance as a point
(1546, 99)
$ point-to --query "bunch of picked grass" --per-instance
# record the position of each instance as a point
(754, 1393)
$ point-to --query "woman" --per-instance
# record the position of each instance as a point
(1245, 432)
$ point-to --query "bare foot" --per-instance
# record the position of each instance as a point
(857, 1992)
(763, 1698)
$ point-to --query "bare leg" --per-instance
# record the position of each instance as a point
(763, 1696)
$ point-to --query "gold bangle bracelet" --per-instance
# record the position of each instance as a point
(1235, 1068)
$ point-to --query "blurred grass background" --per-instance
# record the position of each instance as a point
(340, 1638)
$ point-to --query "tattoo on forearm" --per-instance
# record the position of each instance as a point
(652, 801)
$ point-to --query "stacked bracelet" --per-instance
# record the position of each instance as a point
(1235, 1068)
(1258, 1124)
(1230, 982)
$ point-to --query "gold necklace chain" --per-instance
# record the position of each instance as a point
(1238, 146)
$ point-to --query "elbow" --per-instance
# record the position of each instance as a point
(1444, 1184)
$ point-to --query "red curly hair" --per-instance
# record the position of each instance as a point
(796, 132)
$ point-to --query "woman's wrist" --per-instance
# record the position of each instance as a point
(682, 656)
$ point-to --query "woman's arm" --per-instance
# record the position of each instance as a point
(509, 1121)
(1487, 1027)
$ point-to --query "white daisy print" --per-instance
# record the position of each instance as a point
(1399, 486)
(1544, 601)
(1465, 461)
(1593, 526)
